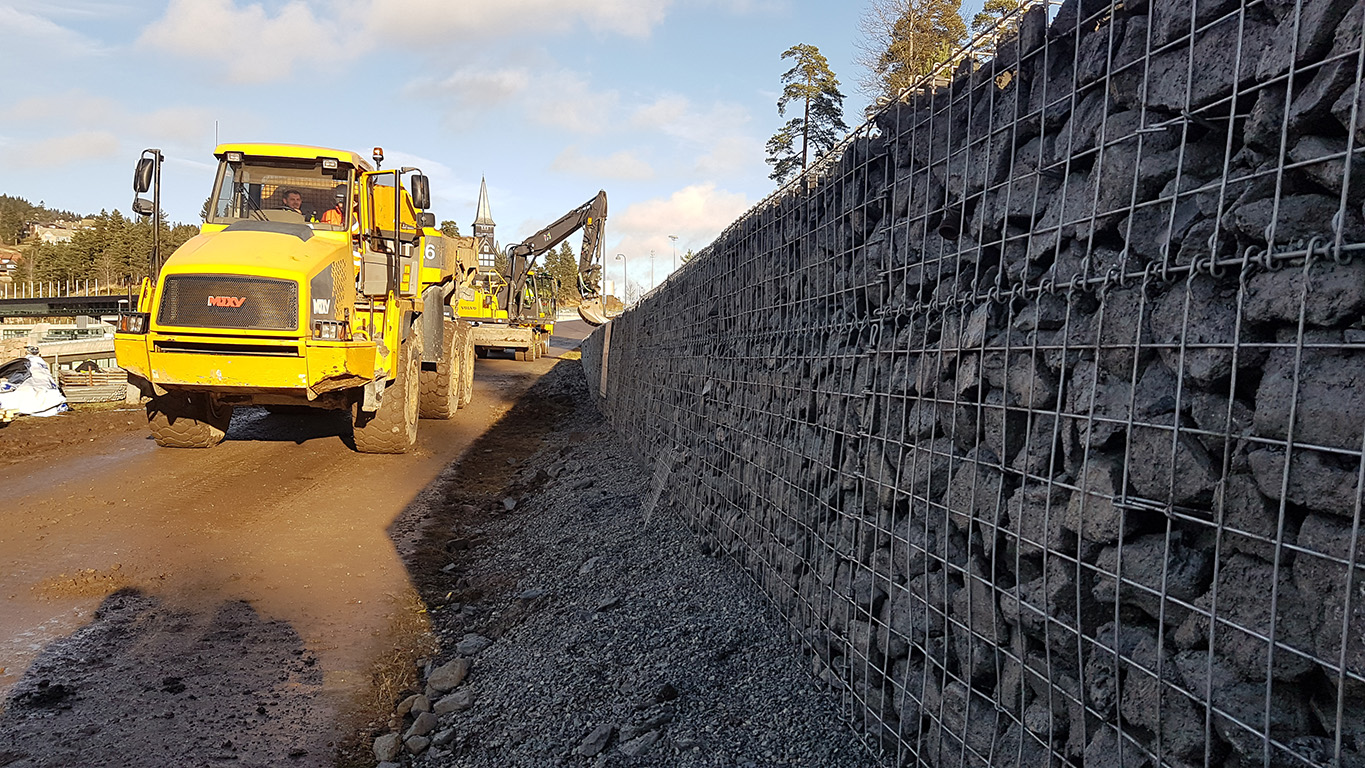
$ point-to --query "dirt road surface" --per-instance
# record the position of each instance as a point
(212, 607)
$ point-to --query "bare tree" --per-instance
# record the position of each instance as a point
(903, 40)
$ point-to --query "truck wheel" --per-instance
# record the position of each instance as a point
(522, 355)
(439, 389)
(467, 366)
(187, 420)
(545, 348)
(393, 428)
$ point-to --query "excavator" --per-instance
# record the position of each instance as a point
(527, 293)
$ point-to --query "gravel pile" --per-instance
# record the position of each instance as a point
(578, 627)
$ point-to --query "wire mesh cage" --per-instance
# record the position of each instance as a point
(1039, 405)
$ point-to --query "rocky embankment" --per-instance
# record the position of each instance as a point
(579, 625)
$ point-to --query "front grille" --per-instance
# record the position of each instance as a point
(230, 301)
(222, 348)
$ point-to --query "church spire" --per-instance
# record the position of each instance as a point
(483, 227)
(484, 216)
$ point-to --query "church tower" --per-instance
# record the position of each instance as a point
(483, 228)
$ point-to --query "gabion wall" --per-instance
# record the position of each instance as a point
(1039, 408)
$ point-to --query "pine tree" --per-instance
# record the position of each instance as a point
(450, 228)
(991, 14)
(814, 87)
(903, 40)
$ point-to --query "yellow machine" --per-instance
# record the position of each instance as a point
(518, 311)
(317, 280)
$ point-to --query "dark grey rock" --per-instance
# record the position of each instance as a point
(1198, 327)
(471, 644)
(1092, 511)
(1321, 575)
(596, 741)
(978, 631)
(1318, 481)
(1243, 594)
(1215, 65)
(387, 747)
(1296, 218)
(640, 744)
(1327, 395)
(416, 745)
(1159, 575)
(976, 492)
(1237, 703)
(1036, 512)
(459, 701)
(448, 676)
(1157, 704)
(1335, 294)
(424, 724)
(1316, 21)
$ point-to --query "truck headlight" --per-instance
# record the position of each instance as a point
(331, 330)
(132, 322)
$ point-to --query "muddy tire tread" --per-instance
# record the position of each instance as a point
(185, 421)
(439, 389)
(393, 428)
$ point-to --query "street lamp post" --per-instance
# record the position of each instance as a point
(674, 241)
(621, 257)
(651, 270)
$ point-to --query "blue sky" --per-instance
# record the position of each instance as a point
(665, 104)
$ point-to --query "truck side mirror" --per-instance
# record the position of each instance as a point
(421, 192)
(142, 177)
(427, 220)
(143, 206)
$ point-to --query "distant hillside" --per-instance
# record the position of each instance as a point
(15, 212)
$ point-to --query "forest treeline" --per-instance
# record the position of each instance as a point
(110, 247)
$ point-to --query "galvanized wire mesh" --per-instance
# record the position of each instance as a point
(1040, 408)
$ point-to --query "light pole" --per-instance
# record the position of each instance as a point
(621, 257)
(651, 270)
(674, 239)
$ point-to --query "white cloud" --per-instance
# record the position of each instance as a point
(254, 45)
(173, 126)
(257, 45)
(565, 100)
(61, 151)
(29, 34)
(442, 21)
(470, 86)
(618, 166)
(696, 214)
(676, 116)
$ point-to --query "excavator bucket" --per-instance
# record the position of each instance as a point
(592, 313)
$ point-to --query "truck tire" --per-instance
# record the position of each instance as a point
(393, 428)
(187, 420)
(439, 388)
(522, 355)
(467, 365)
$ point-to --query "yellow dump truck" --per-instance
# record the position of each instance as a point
(316, 280)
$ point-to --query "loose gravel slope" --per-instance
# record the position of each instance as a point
(591, 634)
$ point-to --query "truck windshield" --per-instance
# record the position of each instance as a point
(279, 189)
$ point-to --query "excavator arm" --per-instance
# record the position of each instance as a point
(591, 217)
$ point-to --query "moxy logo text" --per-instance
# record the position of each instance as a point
(227, 301)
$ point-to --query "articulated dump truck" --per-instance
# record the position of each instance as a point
(318, 281)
